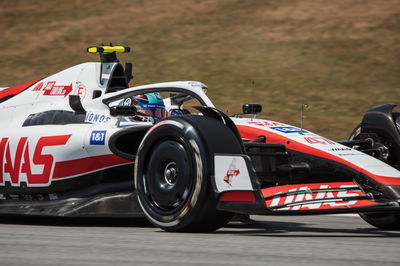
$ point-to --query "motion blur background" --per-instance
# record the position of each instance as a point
(340, 57)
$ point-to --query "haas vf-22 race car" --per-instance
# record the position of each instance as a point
(83, 143)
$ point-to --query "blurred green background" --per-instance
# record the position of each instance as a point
(340, 57)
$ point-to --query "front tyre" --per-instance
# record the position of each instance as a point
(389, 155)
(173, 169)
(385, 221)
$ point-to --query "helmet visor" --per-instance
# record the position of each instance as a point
(156, 112)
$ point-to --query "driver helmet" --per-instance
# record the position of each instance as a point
(149, 104)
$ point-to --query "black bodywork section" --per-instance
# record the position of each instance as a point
(382, 125)
(54, 117)
(125, 142)
(382, 121)
(275, 165)
(108, 192)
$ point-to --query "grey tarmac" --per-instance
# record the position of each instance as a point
(272, 240)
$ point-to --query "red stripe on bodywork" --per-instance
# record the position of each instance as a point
(17, 89)
(251, 133)
(245, 196)
(86, 165)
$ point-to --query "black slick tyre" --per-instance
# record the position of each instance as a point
(173, 171)
(385, 221)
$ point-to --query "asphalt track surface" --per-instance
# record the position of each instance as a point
(302, 240)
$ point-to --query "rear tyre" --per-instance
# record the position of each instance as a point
(386, 221)
(172, 173)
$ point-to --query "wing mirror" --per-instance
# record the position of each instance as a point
(123, 110)
(251, 108)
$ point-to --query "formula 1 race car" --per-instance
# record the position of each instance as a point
(82, 143)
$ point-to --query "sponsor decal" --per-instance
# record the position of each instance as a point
(319, 140)
(313, 196)
(98, 137)
(196, 84)
(127, 102)
(289, 129)
(97, 118)
(19, 160)
(38, 87)
(80, 90)
(233, 171)
(265, 123)
(52, 89)
(340, 149)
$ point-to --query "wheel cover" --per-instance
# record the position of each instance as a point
(168, 179)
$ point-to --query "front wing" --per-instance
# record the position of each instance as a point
(238, 190)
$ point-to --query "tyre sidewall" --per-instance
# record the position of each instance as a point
(186, 135)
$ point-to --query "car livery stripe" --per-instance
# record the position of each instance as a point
(17, 89)
(244, 196)
(86, 165)
(251, 132)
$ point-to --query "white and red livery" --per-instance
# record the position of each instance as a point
(68, 147)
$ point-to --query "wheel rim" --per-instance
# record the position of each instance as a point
(171, 174)
(168, 179)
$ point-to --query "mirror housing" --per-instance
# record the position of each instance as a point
(251, 108)
(123, 110)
